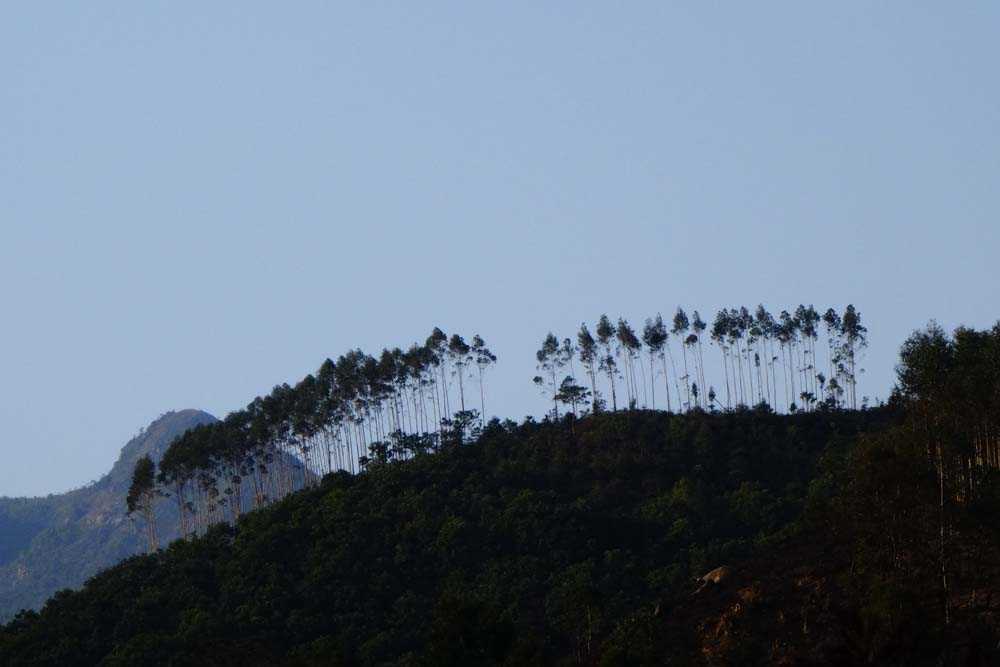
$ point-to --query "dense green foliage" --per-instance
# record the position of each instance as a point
(860, 537)
(537, 543)
(920, 503)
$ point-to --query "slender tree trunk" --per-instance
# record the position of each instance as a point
(482, 397)
(666, 381)
(687, 376)
(645, 396)
(941, 555)
(593, 384)
(611, 381)
(774, 377)
(725, 372)
(652, 381)
(444, 390)
(739, 366)
(181, 509)
(673, 367)
(701, 368)
(555, 403)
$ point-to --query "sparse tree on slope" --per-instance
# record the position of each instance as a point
(572, 394)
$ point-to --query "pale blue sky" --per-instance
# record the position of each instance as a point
(200, 200)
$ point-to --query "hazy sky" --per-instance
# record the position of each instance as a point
(201, 200)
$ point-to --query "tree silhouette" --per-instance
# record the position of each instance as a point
(628, 349)
(362, 410)
(654, 335)
(854, 339)
(484, 358)
(459, 355)
(720, 331)
(437, 344)
(698, 327)
(572, 394)
(681, 325)
(587, 349)
(786, 333)
(831, 321)
(768, 329)
(550, 362)
(606, 334)
(140, 497)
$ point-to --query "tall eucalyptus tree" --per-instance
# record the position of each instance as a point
(628, 348)
(568, 352)
(437, 344)
(720, 330)
(141, 494)
(680, 328)
(698, 327)
(549, 363)
(855, 337)
(654, 335)
(767, 327)
(734, 338)
(587, 349)
(605, 336)
(484, 358)
(831, 321)
(459, 354)
(786, 337)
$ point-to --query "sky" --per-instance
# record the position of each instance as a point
(199, 201)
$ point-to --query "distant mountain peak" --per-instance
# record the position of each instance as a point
(154, 439)
(59, 540)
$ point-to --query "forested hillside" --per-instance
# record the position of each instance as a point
(363, 409)
(58, 541)
(535, 542)
(723, 537)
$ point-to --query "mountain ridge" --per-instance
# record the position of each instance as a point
(59, 540)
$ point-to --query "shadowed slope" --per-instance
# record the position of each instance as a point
(58, 541)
